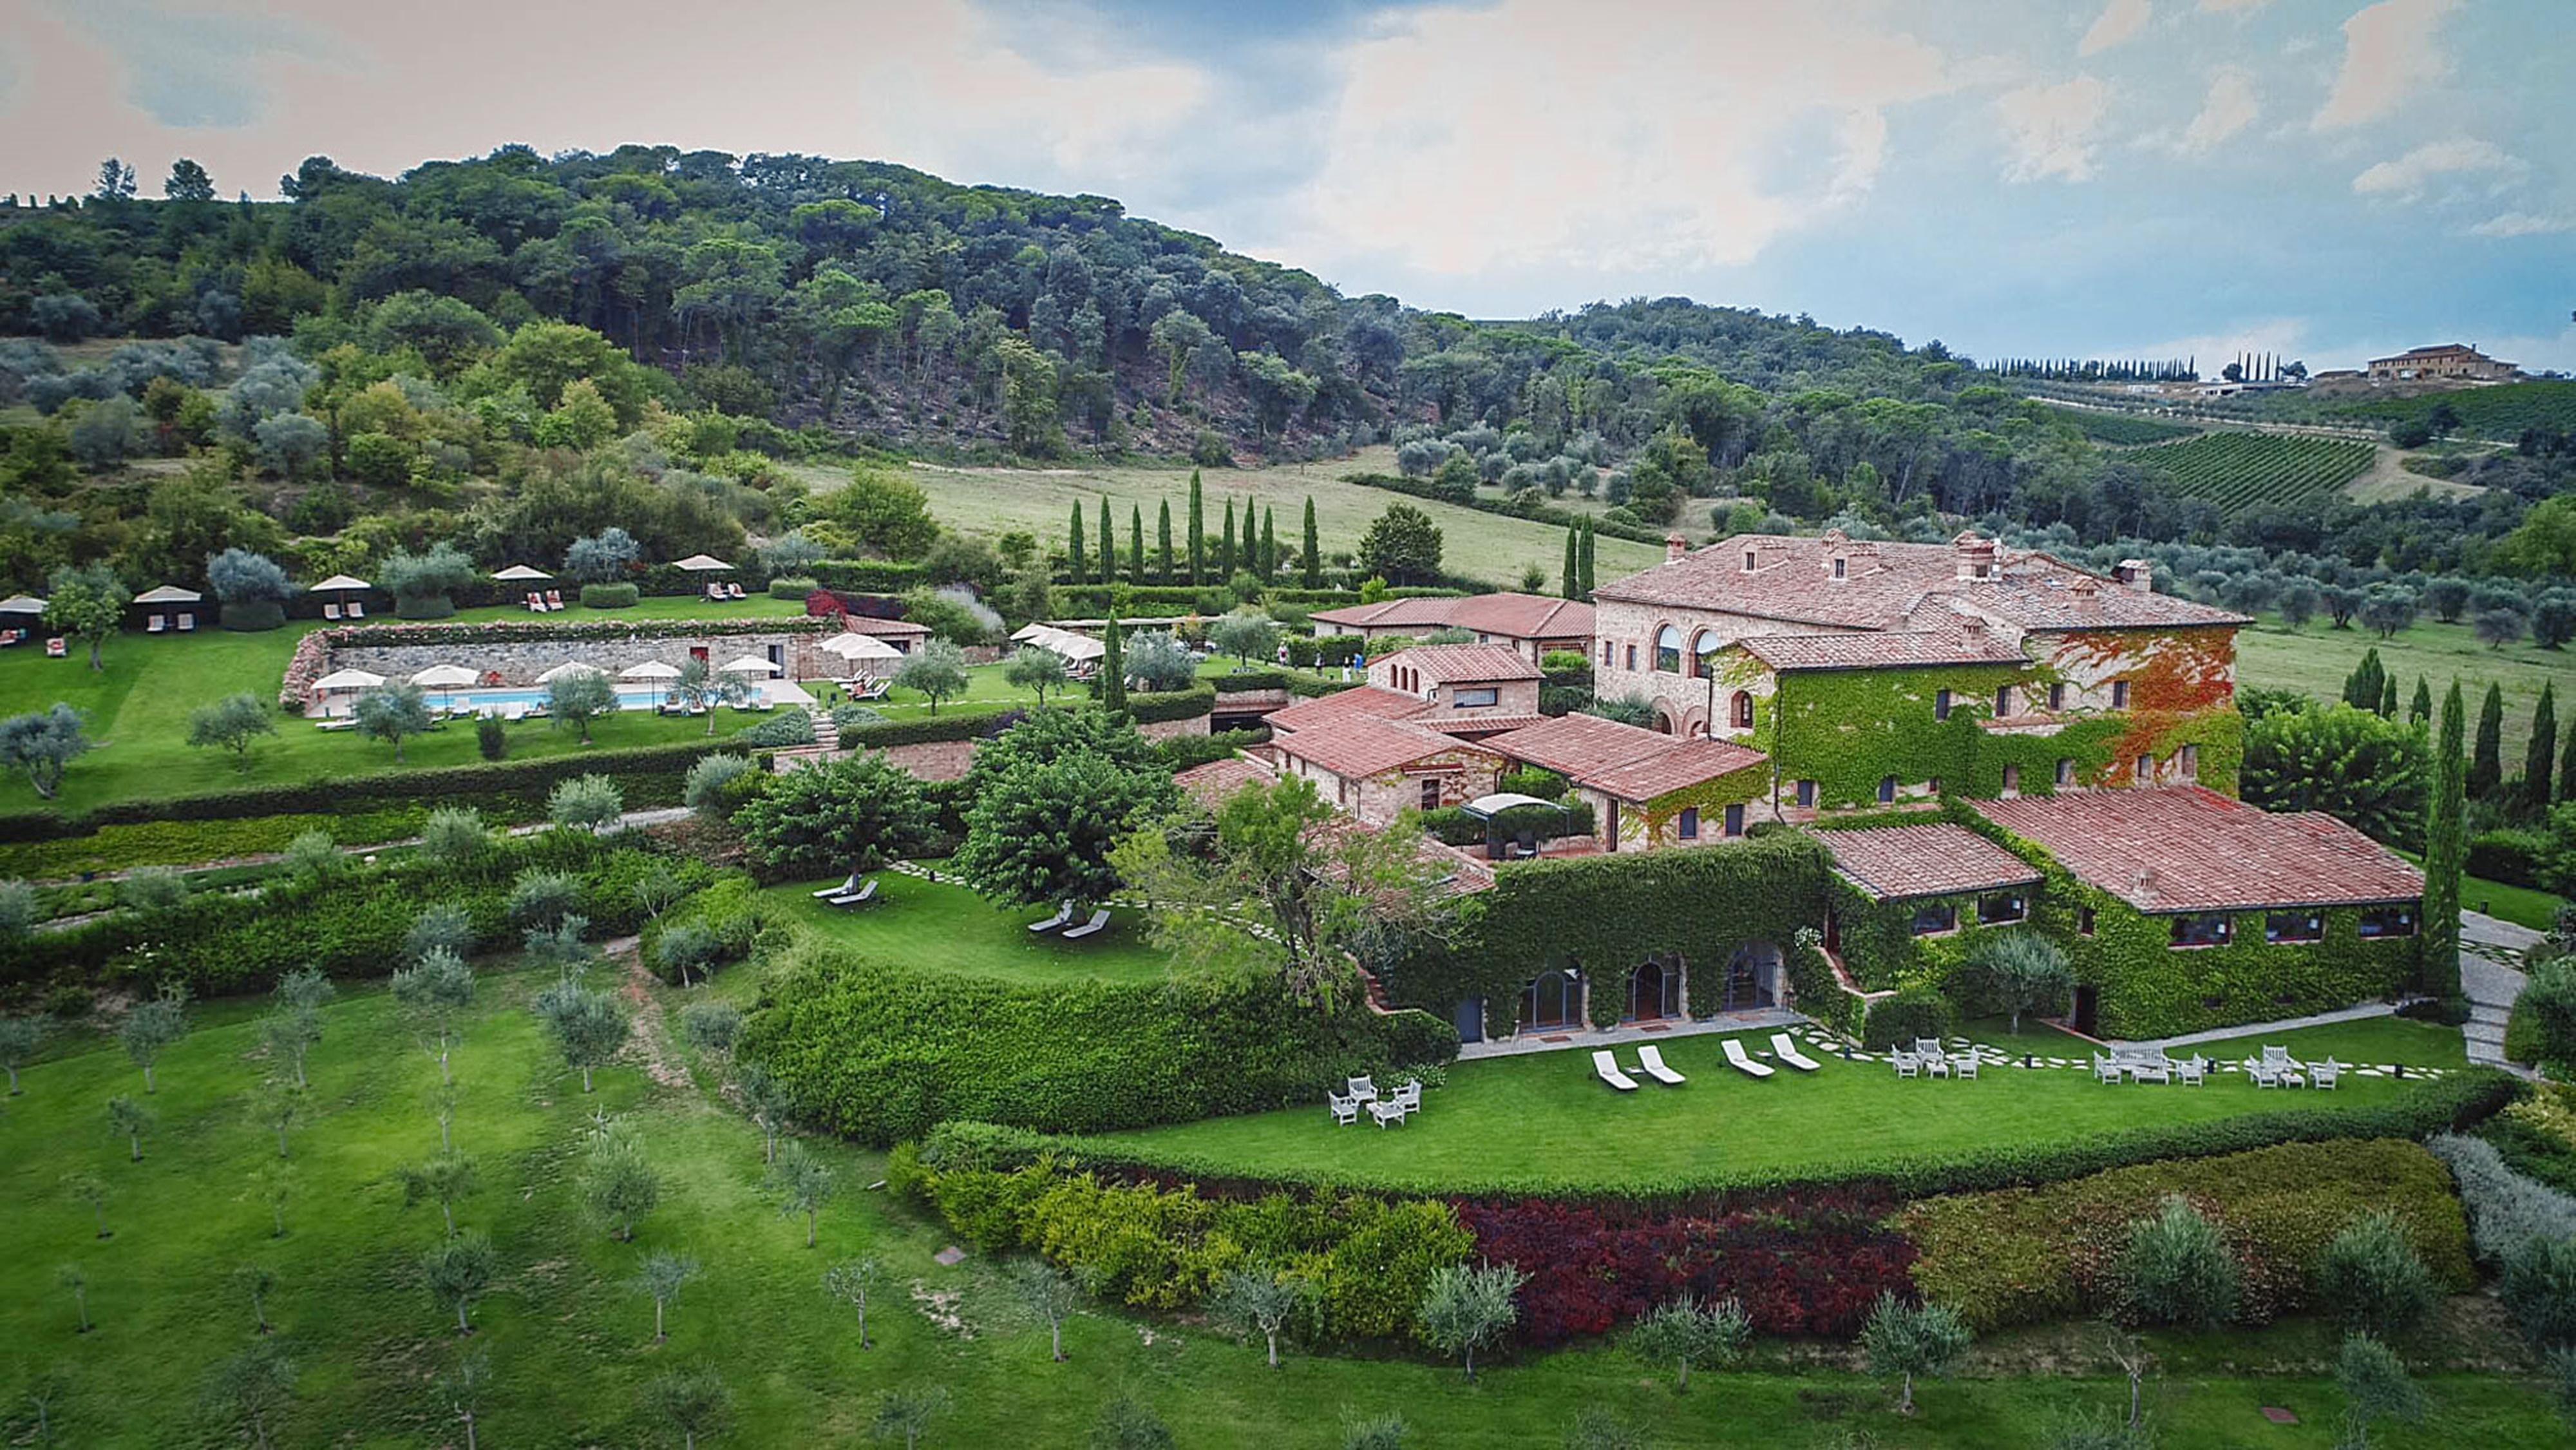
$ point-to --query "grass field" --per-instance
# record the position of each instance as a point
(993, 501)
(1513, 1121)
(2379, 1040)
(2314, 660)
(943, 926)
(138, 710)
(571, 1350)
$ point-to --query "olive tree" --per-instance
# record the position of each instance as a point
(234, 723)
(618, 1188)
(43, 743)
(2375, 1387)
(249, 1389)
(1904, 1340)
(151, 1028)
(1257, 1300)
(88, 1191)
(1036, 671)
(585, 803)
(434, 993)
(854, 1282)
(692, 1403)
(130, 1120)
(1246, 635)
(453, 836)
(457, 1271)
(1156, 661)
(19, 1039)
(801, 1183)
(2175, 1268)
(446, 1180)
(1468, 1306)
(937, 669)
(588, 1027)
(256, 1281)
(2372, 1279)
(1688, 1335)
(461, 1391)
(76, 1283)
(711, 1027)
(603, 557)
(576, 698)
(906, 1414)
(420, 583)
(87, 604)
(17, 911)
(393, 713)
(1048, 1295)
(660, 1277)
(279, 1107)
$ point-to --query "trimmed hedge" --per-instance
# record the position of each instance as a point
(2452, 1102)
(1185, 752)
(1189, 704)
(611, 596)
(794, 590)
(868, 576)
(2510, 856)
(2030, 1255)
(966, 724)
(883, 1053)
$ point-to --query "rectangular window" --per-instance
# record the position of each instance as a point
(2210, 929)
(1690, 823)
(1431, 795)
(1632, 659)
(1934, 918)
(1748, 561)
(2002, 908)
(1932, 786)
(1806, 792)
(1840, 571)
(2083, 921)
(2003, 702)
(2012, 781)
(2188, 762)
(1605, 654)
(2385, 921)
(2065, 771)
(1476, 699)
(2144, 769)
(1735, 820)
(1940, 704)
(2294, 926)
(1886, 789)
(2057, 697)
(2119, 694)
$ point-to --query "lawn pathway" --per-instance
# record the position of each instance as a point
(652, 1039)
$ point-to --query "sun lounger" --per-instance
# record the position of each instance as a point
(1907, 1064)
(57, 647)
(330, 611)
(1787, 1051)
(157, 624)
(8, 637)
(715, 594)
(1650, 1061)
(1605, 1066)
(1062, 915)
(860, 897)
(1099, 919)
(1744, 1064)
(844, 889)
(1386, 1113)
(1346, 1111)
(554, 599)
(357, 610)
(734, 591)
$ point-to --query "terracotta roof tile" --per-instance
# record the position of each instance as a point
(1358, 748)
(1366, 702)
(1521, 616)
(1881, 649)
(1625, 761)
(1896, 862)
(1883, 583)
(1485, 724)
(2188, 849)
(1212, 783)
(1446, 664)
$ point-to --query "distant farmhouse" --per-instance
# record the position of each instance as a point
(2460, 361)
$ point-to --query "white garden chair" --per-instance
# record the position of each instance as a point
(1346, 1111)
(1386, 1113)
(2324, 1074)
(1907, 1064)
(2264, 1074)
(1364, 1089)
(1963, 1064)
(2105, 1069)
(1408, 1098)
(2192, 1071)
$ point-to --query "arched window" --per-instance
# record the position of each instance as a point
(1654, 991)
(1554, 999)
(1704, 644)
(1668, 650)
(1741, 710)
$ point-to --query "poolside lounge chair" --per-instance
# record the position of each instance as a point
(1346, 1111)
(514, 712)
(357, 610)
(870, 689)
(330, 611)
(536, 604)
(734, 591)
(1743, 1064)
(844, 889)
(1363, 1088)
(9, 637)
(2324, 1074)
(1963, 1064)
(157, 624)
(1605, 1066)
(1385, 1113)
(1786, 1049)
(1063, 914)
(1907, 1064)
(715, 593)
(187, 622)
(1650, 1061)
(2106, 1069)
(57, 647)
(860, 897)
(554, 599)
(1098, 920)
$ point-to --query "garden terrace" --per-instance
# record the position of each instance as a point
(1542, 1123)
(943, 926)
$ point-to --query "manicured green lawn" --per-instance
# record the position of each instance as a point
(2521, 905)
(2315, 659)
(1544, 1119)
(138, 710)
(944, 926)
(2371, 1040)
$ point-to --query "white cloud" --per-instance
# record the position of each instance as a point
(2050, 130)
(1627, 143)
(2220, 6)
(2389, 50)
(2119, 23)
(2230, 107)
(2523, 224)
(2405, 178)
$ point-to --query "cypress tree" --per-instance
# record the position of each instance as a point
(1113, 666)
(1135, 543)
(2388, 698)
(1108, 543)
(2486, 768)
(1587, 559)
(2361, 688)
(2542, 754)
(1225, 547)
(2446, 830)
(2420, 710)
(2567, 767)
(1269, 544)
(1573, 584)
(1163, 537)
(1073, 550)
(1198, 531)
(1312, 574)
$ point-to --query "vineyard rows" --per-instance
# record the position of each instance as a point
(2239, 470)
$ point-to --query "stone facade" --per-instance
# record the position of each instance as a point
(1459, 774)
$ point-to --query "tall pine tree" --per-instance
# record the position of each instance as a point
(1225, 547)
(1073, 547)
(1163, 549)
(1310, 555)
(2446, 837)
(2486, 767)
(2420, 710)
(1108, 543)
(1587, 559)
(1136, 544)
(1573, 585)
(2542, 754)
(1198, 531)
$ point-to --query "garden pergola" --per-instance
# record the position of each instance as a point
(1488, 808)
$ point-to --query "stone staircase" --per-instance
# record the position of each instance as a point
(2484, 1033)
(827, 744)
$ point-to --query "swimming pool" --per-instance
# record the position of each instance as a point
(629, 697)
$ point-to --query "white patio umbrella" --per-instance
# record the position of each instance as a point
(748, 665)
(339, 583)
(168, 594)
(650, 670)
(443, 678)
(856, 646)
(22, 604)
(520, 574)
(568, 667)
(702, 563)
(339, 680)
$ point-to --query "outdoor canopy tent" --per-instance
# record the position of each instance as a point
(521, 573)
(1072, 648)
(855, 646)
(1488, 808)
(22, 604)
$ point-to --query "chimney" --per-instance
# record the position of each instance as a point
(2085, 588)
(2138, 574)
(1976, 556)
(1674, 547)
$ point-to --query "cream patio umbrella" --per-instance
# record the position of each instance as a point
(443, 678)
(650, 670)
(569, 667)
(862, 651)
(747, 665)
(520, 574)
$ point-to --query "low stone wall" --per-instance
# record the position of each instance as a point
(1168, 729)
(520, 661)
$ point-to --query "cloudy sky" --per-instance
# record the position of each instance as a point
(2321, 178)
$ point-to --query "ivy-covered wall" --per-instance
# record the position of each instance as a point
(1879, 947)
(1607, 914)
(1657, 824)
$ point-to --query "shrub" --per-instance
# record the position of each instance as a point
(2550, 1002)
(613, 596)
(684, 949)
(792, 587)
(786, 728)
(491, 737)
(2538, 1286)
(717, 784)
(2371, 1278)
(2505, 1209)
(1909, 1013)
(453, 836)
(2509, 855)
(2176, 1269)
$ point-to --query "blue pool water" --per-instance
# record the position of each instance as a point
(629, 697)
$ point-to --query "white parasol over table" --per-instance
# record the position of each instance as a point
(520, 574)
(568, 668)
(650, 670)
(444, 678)
(748, 665)
(339, 680)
